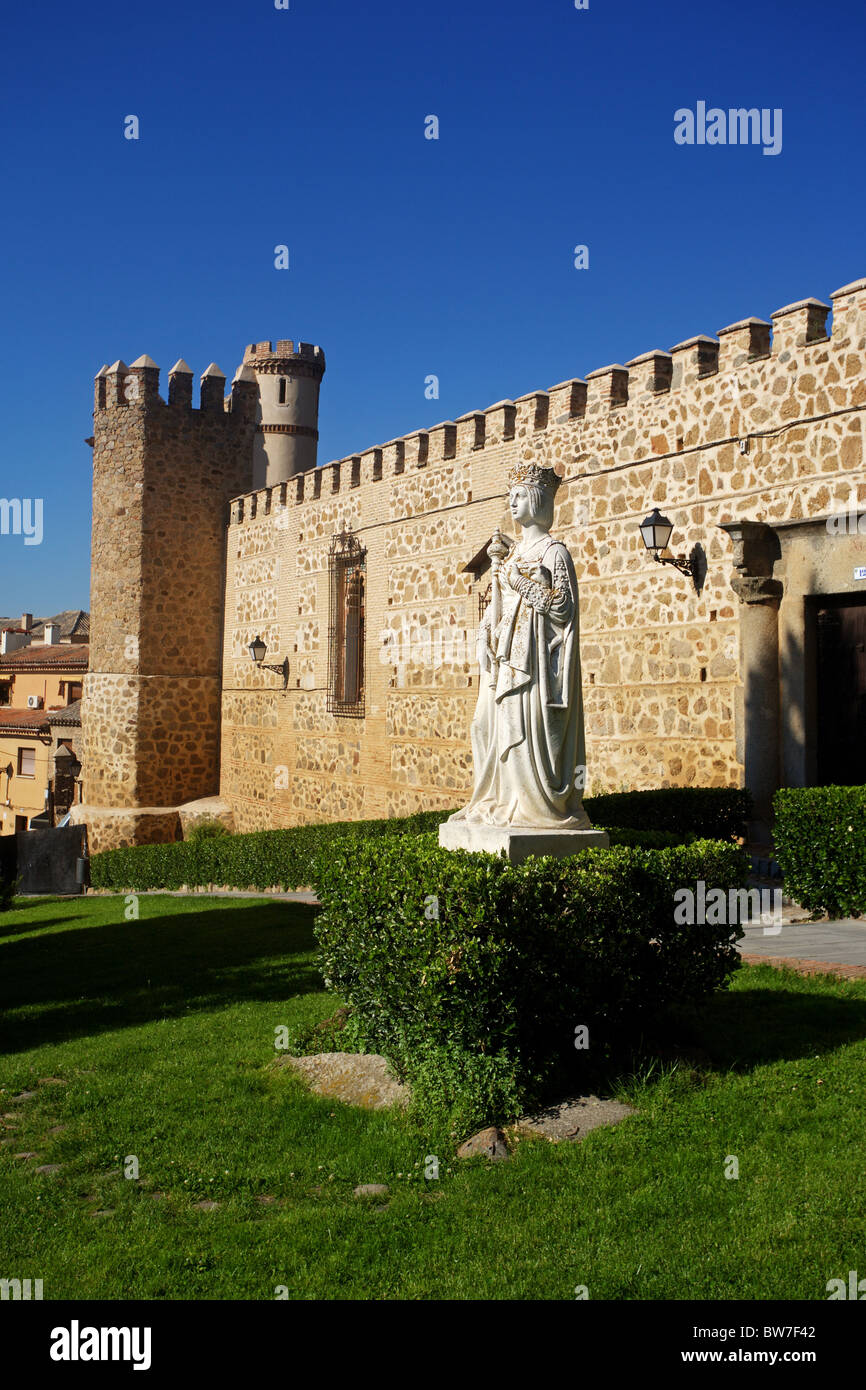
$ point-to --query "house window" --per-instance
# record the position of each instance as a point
(347, 569)
(74, 691)
(26, 762)
(282, 390)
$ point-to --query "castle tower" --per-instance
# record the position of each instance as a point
(163, 474)
(287, 430)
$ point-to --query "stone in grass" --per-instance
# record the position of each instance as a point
(48, 1168)
(362, 1079)
(26, 1155)
(23, 1095)
(489, 1143)
(372, 1189)
(572, 1119)
(206, 1205)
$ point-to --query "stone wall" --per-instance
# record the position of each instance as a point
(765, 422)
(162, 476)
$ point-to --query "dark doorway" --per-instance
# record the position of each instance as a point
(840, 658)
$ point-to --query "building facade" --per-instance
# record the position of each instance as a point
(368, 576)
(40, 728)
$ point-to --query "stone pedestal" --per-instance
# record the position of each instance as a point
(518, 842)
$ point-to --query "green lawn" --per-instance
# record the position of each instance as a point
(163, 1031)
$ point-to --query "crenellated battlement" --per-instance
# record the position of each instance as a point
(665, 396)
(119, 387)
(286, 358)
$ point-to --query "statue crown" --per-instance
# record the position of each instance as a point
(546, 478)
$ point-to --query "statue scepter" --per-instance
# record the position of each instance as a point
(497, 551)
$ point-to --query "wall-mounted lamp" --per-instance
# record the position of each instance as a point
(257, 650)
(656, 532)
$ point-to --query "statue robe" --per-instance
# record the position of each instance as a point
(527, 734)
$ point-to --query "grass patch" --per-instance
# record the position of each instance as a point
(163, 1030)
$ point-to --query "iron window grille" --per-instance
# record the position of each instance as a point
(346, 627)
(484, 596)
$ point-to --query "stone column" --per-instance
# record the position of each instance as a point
(756, 547)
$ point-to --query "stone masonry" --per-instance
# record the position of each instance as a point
(735, 437)
(162, 477)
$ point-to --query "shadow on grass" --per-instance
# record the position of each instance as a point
(735, 1030)
(24, 928)
(751, 1027)
(70, 984)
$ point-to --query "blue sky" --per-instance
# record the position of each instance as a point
(408, 256)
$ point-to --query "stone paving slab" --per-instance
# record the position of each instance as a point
(839, 943)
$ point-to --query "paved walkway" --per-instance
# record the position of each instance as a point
(831, 948)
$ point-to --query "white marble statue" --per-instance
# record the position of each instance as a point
(527, 734)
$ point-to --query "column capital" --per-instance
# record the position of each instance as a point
(756, 549)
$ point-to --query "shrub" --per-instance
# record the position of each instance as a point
(820, 835)
(714, 813)
(287, 859)
(438, 949)
(7, 893)
(8, 870)
(207, 830)
(646, 839)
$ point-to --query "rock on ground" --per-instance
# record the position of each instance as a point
(488, 1142)
(355, 1078)
(573, 1118)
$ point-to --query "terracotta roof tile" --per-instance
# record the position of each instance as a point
(70, 715)
(22, 720)
(63, 656)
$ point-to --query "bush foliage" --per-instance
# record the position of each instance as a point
(289, 859)
(820, 836)
(713, 813)
(207, 830)
(464, 959)
(285, 859)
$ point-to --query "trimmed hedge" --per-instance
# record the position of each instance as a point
(713, 813)
(264, 859)
(289, 858)
(820, 837)
(467, 954)
(267, 858)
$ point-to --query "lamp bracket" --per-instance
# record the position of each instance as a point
(681, 563)
(281, 670)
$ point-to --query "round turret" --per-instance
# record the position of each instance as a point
(287, 420)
